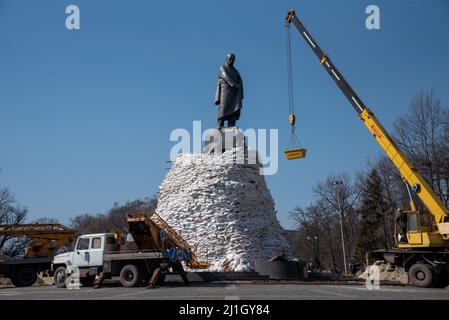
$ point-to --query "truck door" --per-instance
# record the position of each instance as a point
(81, 257)
(96, 251)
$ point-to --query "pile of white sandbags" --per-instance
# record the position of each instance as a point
(223, 209)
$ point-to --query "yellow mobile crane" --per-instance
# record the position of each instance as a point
(424, 254)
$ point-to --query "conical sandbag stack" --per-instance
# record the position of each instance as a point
(223, 209)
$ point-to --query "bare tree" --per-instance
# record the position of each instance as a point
(45, 220)
(319, 223)
(115, 218)
(342, 198)
(11, 213)
(311, 232)
(319, 240)
(423, 134)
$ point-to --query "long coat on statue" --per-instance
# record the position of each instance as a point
(229, 92)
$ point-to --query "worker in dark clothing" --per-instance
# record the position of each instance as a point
(98, 283)
(176, 267)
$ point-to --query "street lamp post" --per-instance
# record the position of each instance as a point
(309, 240)
(313, 243)
(338, 184)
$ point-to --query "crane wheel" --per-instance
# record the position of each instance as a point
(130, 276)
(24, 277)
(421, 275)
(59, 277)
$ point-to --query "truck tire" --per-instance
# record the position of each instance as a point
(130, 276)
(59, 277)
(87, 281)
(421, 275)
(24, 277)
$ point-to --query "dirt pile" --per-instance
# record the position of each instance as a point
(388, 273)
(5, 283)
(41, 281)
(44, 281)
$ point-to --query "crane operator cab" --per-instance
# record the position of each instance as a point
(415, 229)
(409, 226)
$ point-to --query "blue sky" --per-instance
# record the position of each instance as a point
(85, 115)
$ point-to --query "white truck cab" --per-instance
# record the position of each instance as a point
(86, 258)
(102, 253)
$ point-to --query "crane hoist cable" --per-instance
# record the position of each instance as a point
(295, 149)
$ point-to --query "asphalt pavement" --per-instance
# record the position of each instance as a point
(228, 291)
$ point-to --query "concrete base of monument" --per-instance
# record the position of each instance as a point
(219, 141)
(265, 270)
(282, 270)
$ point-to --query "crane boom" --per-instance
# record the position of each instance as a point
(46, 238)
(41, 231)
(408, 172)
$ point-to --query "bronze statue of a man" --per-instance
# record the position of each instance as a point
(229, 93)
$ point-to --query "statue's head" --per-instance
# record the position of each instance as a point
(230, 59)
